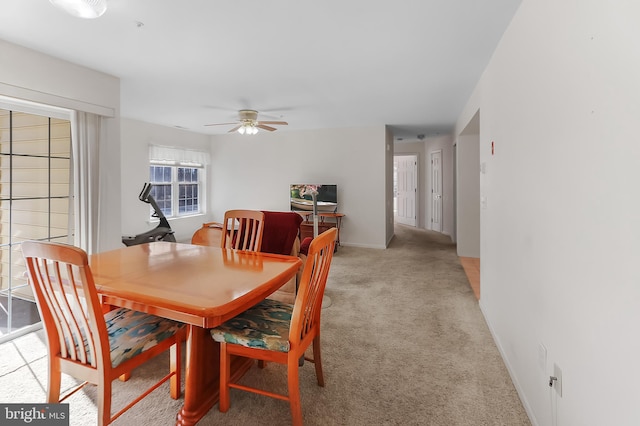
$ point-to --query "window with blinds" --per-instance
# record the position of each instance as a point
(178, 180)
(35, 203)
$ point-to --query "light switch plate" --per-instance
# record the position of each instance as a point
(557, 384)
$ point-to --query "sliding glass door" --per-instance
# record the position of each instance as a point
(35, 204)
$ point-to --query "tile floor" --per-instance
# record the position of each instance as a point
(23, 378)
(23, 360)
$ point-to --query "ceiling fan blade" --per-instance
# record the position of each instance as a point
(221, 124)
(235, 128)
(269, 128)
(279, 123)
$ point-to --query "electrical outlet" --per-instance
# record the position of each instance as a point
(557, 384)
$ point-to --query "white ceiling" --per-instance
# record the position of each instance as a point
(410, 64)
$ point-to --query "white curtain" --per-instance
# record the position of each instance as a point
(86, 132)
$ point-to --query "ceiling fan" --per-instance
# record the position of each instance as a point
(249, 124)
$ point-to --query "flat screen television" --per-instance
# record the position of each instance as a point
(302, 200)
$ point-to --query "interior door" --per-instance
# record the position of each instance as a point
(406, 178)
(436, 191)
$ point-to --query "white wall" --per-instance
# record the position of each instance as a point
(388, 184)
(32, 76)
(560, 235)
(255, 172)
(136, 138)
(468, 202)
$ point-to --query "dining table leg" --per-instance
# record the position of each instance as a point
(202, 378)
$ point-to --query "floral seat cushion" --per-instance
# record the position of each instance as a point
(132, 332)
(266, 326)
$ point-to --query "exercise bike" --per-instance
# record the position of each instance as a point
(162, 232)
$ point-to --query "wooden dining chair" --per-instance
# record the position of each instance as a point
(243, 230)
(209, 235)
(83, 342)
(280, 332)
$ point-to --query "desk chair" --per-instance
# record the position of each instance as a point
(280, 332)
(85, 343)
(243, 230)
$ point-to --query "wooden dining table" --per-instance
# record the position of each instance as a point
(201, 286)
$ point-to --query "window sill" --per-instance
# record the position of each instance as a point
(174, 218)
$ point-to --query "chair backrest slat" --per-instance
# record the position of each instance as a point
(85, 341)
(50, 309)
(308, 304)
(66, 303)
(66, 297)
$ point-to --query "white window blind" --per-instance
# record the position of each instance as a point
(171, 155)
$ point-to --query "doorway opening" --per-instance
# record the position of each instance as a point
(468, 201)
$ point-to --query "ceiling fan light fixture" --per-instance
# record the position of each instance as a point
(248, 128)
(87, 9)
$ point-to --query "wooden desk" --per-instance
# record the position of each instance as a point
(306, 227)
(198, 285)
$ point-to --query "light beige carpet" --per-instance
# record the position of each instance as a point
(404, 343)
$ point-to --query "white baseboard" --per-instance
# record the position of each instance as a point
(514, 379)
(362, 245)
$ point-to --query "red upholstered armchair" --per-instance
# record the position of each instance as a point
(280, 236)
